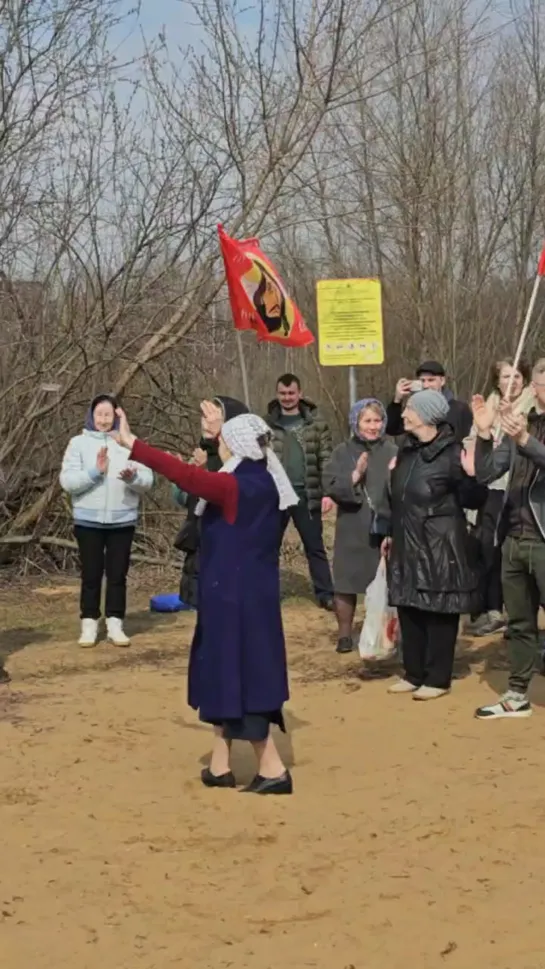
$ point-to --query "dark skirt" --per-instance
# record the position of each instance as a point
(253, 727)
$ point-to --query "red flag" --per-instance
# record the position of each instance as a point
(541, 264)
(259, 300)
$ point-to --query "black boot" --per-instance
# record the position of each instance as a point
(217, 780)
(327, 604)
(270, 785)
(345, 645)
(4, 676)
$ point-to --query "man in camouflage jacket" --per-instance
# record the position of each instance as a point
(302, 441)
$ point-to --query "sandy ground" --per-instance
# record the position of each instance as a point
(413, 838)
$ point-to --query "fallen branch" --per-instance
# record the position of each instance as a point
(50, 541)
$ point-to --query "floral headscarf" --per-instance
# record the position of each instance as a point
(355, 412)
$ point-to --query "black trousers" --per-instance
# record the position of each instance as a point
(309, 526)
(428, 643)
(104, 550)
(487, 523)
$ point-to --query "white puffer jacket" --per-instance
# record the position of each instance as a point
(102, 499)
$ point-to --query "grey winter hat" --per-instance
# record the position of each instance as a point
(430, 405)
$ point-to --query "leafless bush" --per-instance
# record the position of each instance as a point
(403, 139)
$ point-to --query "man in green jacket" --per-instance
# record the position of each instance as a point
(302, 441)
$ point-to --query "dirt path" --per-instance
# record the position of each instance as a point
(413, 839)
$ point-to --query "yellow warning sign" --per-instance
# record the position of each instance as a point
(350, 329)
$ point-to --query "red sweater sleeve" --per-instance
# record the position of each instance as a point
(218, 489)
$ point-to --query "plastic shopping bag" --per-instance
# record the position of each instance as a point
(380, 630)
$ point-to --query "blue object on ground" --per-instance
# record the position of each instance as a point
(169, 602)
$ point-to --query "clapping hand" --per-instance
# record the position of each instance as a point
(123, 435)
(467, 460)
(467, 457)
(361, 467)
(483, 416)
(128, 474)
(516, 427)
(102, 460)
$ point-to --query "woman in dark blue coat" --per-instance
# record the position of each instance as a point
(237, 673)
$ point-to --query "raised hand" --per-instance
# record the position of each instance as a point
(123, 436)
(403, 389)
(102, 460)
(361, 467)
(212, 419)
(483, 416)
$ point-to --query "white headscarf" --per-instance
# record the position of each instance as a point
(241, 436)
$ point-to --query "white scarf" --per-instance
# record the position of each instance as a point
(241, 437)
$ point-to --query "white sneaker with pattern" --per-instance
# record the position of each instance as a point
(511, 704)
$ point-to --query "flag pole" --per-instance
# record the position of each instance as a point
(352, 387)
(243, 369)
(526, 325)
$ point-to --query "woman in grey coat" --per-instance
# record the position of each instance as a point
(356, 478)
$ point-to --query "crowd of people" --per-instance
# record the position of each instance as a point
(451, 495)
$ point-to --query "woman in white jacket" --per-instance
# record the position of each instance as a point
(105, 489)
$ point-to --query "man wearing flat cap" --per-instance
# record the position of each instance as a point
(430, 375)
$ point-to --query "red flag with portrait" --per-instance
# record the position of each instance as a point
(259, 300)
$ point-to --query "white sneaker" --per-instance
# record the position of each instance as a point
(116, 633)
(511, 705)
(89, 632)
(429, 693)
(402, 686)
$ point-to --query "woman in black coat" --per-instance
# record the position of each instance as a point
(189, 537)
(432, 569)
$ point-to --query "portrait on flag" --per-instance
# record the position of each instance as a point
(259, 299)
(269, 297)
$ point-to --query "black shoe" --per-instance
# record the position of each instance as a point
(217, 780)
(270, 785)
(4, 676)
(327, 604)
(490, 627)
(345, 645)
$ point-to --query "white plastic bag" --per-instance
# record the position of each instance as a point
(380, 629)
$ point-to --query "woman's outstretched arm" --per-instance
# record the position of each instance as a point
(218, 489)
